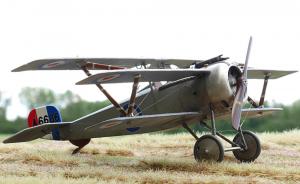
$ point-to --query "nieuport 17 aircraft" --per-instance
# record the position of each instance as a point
(197, 91)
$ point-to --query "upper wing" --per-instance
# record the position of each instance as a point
(273, 74)
(140, 124)
(154, 75)
(76, 63)
(32, 133)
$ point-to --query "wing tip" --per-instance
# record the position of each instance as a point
(82, 82)
(18, 69)
(294, 71)
(7, 141)
(10, 140)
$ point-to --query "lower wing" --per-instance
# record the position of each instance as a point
(258, 112)
(141, 124)
(254, 112)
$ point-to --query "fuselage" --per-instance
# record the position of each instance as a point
(192, 96)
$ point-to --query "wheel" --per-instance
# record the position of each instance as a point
(253, 147)
(208, 147)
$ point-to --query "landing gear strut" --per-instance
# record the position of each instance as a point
(245, 145)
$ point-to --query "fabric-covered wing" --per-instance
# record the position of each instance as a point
(32, 133)
(254, 112)
(261, 73)
(76, 63)
(154, 75)
(258, 112)
(141, 124)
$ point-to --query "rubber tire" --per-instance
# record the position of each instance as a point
(253, 145)
(217, 143)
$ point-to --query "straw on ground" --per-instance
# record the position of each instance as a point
(155, 158)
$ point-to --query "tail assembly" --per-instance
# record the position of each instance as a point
(43, 122)
(44, 115)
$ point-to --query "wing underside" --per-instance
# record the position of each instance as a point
(154, 75)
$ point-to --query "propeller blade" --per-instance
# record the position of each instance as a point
(247, 59)
(237, 106)
(242, 88)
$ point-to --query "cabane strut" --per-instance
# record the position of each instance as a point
(131, 104)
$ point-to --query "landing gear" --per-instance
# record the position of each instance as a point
(249, 153)
(80, 143)
(245, 145)
(208, 147)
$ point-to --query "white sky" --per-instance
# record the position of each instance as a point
(31, 30)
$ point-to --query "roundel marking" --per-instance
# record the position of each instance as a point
(133, 129)
(108, 125)
(53, 64)
(108, 78)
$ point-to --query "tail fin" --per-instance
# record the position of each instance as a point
(44, 115)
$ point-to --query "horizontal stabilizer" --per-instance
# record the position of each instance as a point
(32, 133)
(154, 75)
(77, 63)
(273, 74)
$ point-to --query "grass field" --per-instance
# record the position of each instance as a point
(147, 159)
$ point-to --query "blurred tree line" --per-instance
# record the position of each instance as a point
(70, 105)
(73, 107)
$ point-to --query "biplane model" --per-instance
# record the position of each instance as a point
(197, 91)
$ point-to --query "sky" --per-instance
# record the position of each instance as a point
(35, 29)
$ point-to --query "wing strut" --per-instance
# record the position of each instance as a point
(111, 99)
(263, 93)
(262, 96)
(133, 94)
(108, 96)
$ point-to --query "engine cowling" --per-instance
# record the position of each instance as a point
(221, 84)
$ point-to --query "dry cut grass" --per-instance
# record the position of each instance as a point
(145, 159)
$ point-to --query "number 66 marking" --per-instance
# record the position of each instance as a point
(44, 119)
